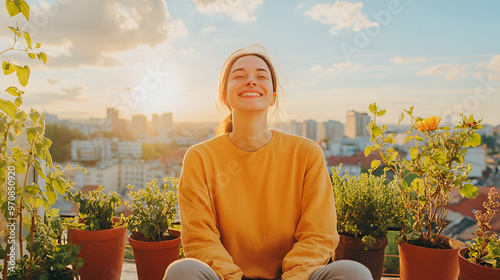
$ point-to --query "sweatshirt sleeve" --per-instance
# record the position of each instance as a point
(199, 232)
(316, 231)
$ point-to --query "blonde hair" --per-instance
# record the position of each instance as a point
(256, 50)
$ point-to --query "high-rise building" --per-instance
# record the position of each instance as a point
(356, 125)
(165, 122)
(112, 119)
(155, 124)
(139, 126)
(311, 129)
(331, 130)
(296, 128)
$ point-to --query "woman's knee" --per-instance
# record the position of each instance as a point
(343, 270)
(189, 268)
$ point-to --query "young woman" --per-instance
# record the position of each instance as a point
(257, 203)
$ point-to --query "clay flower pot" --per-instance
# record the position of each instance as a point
(153, 258)
(351, 248)
(416, 262)
(474, 271)
(102, 252)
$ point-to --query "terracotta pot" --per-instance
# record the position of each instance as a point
(474, 271)
(153, 258)
(416, 262)
(102, 252)
(351, 248)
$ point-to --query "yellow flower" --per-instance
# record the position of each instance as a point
(428, 124)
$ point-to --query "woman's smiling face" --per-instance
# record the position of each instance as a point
(250, 86)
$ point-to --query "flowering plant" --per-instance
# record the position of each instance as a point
(434, 168)
(485, 250)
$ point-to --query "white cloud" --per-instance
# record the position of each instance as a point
(478, 74)
(71, 94)
(317, 68)
(129, 18)
(480, 65)
(238, 10)
(494, 63)
(177, 29)
(347, 65)
(450, 71)
(207, 29)
(341, 15)
(300, 6)
(186, 51)
(403, 60)
(76, 33)
(63, 49)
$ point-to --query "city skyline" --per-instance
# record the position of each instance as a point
(331, 56)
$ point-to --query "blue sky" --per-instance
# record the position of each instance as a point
(443, 57)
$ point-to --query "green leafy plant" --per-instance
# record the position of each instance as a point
(153, 209)
(366, 205)
(485, 250)
(53, 260)
(24, 154)
(435, 167)
(96, 209)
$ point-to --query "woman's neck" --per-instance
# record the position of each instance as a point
(250, 132)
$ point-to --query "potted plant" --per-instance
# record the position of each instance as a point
(366, 206)
(155, 245)
(434, 168)
(481, 258)
(101, 235)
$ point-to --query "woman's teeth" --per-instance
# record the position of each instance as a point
(251, 94)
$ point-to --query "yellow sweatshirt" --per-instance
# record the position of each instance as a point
(258, 214)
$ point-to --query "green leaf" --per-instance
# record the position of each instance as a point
(32, 55)
(39, 202)
(376, 131)
(23, 74)
(52, 196)
(12, 8)
(13, 91)
(60, 185)
(38, 167)
(419, 138)
(375, 163)
(34, 116)
(8, 68)
(390, 139)
(38, 45)
(43, 57)
(368, 150)
(381, 113)
(474, 139)
(372, 108)
(33, 133)
(469, 191)
(28, 39)
(25, 9)
(18, 102)
(401, 117)
(8, 108)
(414, 152)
